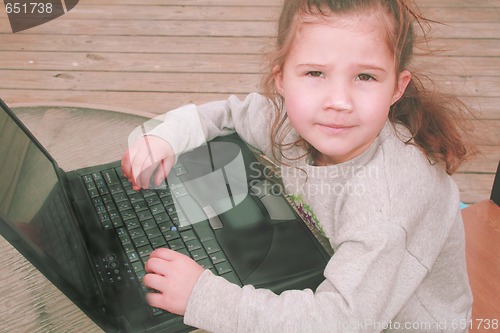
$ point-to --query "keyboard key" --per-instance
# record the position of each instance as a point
(145, 251)
(204, 231)
(100, 209)
(205, 263)
(115, 189)
(171, 234)
(157, 209)
(133, 256)
(149, 224)
(138, 266)
(171, 210)
(135, 197)
(88, 179)
(140, 205)
(123, 205)
(184, 251)
(211, 246)
(102, 190)
(231, 277)
(97, 201)
(153, 232)
(199, 254)
(117, 222)
(128, 214)
(132, 224)
(148, 193)
(97, 176)
(119, 197)
(137, 232)
(140, 241)
(113, 215)
(158, 242)
(179, 169)
(176, 244)
(193, 244)
(128, 247)
(167, 200)
(223, 267)
(144, 215)
(217, 257)
(165, 226)
(125, 239)
(188, 235)
(162, 217)
(152, 199)
(110, 177)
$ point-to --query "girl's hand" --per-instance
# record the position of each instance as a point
(173, 275)
(140, 161)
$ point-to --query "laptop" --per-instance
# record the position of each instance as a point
(90, 233)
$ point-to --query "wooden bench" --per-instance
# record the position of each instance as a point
(482, 233)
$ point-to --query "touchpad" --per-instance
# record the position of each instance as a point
(246, 237)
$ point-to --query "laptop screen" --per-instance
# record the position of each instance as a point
(33, 204)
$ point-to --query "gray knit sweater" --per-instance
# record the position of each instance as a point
(392, 218)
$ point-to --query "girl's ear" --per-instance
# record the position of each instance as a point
(403, 80)
(278, 79)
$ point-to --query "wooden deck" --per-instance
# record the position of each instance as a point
(154, 55)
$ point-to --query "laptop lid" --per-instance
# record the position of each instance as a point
(37, 218)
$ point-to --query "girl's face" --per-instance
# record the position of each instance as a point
(338, 83)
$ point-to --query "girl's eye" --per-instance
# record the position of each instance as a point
(315, 74)
(365, 77)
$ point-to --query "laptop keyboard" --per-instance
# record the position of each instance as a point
(146, 220)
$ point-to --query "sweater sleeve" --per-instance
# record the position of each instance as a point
(367, 282)
(190, 126)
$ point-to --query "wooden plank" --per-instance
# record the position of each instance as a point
(457, 3)
(237, 3)
(458, 66)
(474, 187)
(422, 3)
(191, 82)
(130, 81)
(208, 63)
(132, 62)
(196, 44)
(486, 107)
(249, 13)
(136, 102)
(178, 13)
(462, 14)
(465, 47)
(485, 162)
(142, 44)
(488, 132)
(65, 26)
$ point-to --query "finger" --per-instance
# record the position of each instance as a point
(163, 170)
(154, 281)
(125, 164)
(157, 266)
(165, 254)
(140, 162)
(155, 300)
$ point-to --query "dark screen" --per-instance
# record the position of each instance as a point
(32, 203)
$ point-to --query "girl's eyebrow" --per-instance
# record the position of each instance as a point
(371, 67)
(362, 66)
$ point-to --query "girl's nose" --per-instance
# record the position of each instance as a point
(338, 98)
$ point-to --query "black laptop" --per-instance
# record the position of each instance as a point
(90, 233)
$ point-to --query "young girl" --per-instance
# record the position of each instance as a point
(366, 149)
